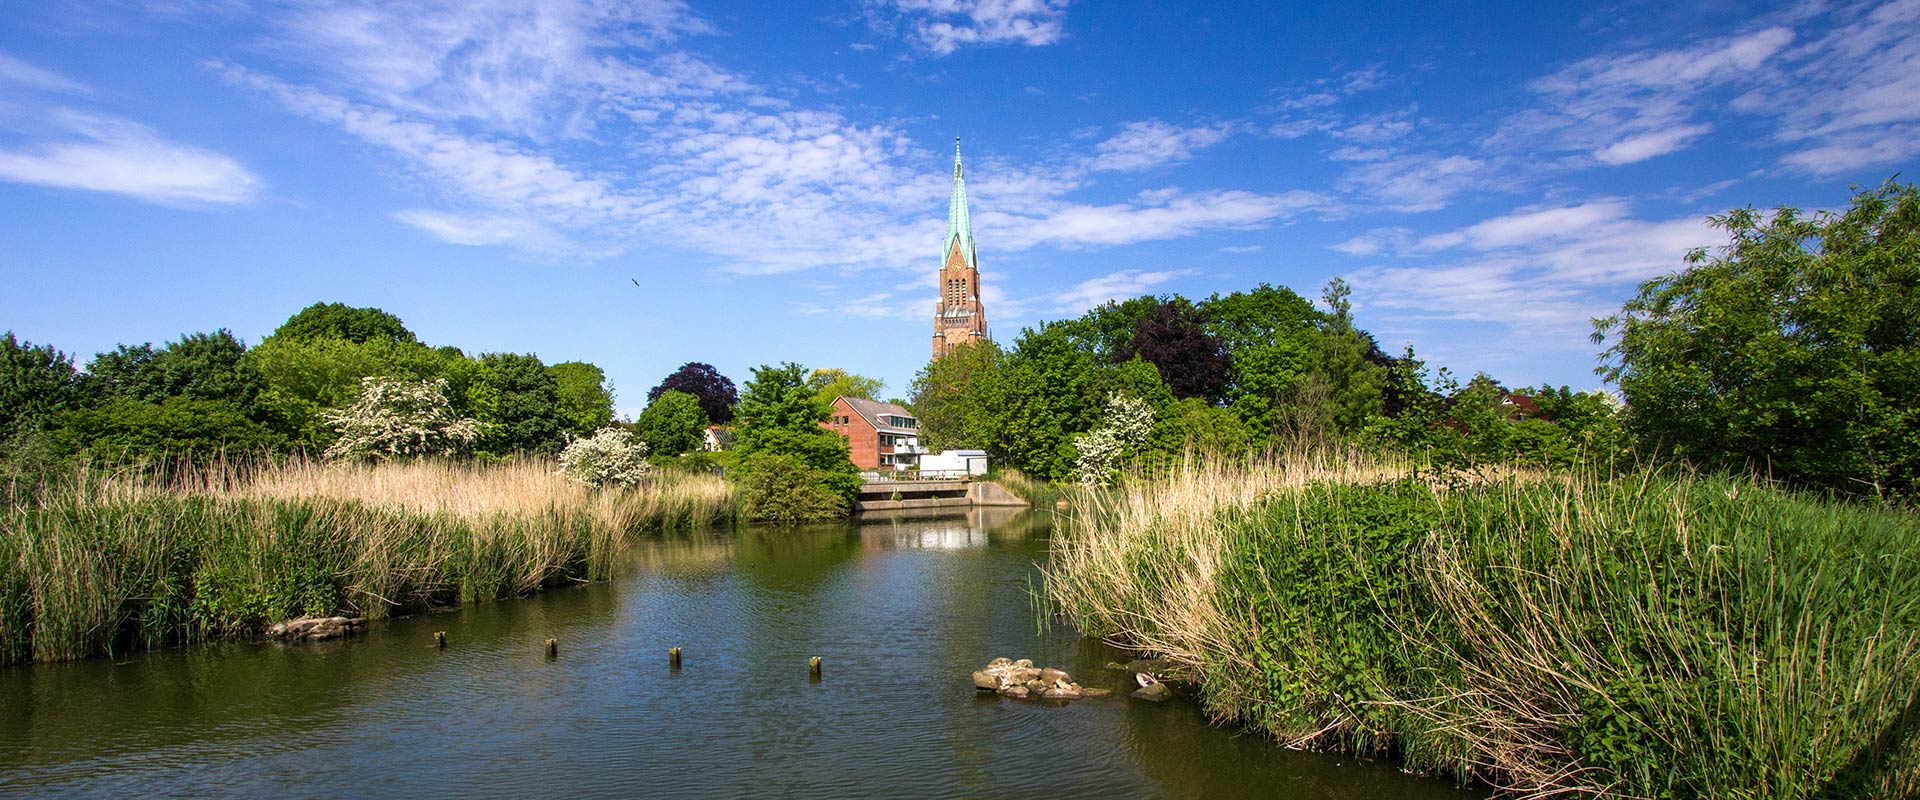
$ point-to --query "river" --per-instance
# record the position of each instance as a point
(901, 611)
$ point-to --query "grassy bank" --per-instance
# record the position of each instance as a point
(106, 564)
(1660, 637)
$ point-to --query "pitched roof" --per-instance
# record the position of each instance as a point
(872, 410)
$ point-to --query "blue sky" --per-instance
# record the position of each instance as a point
(774, 175)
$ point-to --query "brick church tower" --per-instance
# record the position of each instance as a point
(958, 318)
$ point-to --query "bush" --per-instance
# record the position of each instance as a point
(399, 417)
(779, 488)
(610, 457)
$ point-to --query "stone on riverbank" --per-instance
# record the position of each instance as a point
(1021, 679)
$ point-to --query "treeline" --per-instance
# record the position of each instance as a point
(208, 393)
(1232, 374)
(1792, 352)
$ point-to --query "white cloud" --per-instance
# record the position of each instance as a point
(27, 76)
(943, 26)
(1144, 145)
(1153, 216)
(1623, 108)
(1119, 285)
(1543, 272)
(1422, 182)
(117, 156)
(1239, 249)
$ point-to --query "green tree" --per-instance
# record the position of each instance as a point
(780, 415)
(524, 416)
(1270, 336)
(1039, 401)
(950, 396)
(198, 366)
(301, 378)
(585, 401)
(1348, 380)
(345, 323)
(672, 424)
(36, 382)
(833, 382)
(1794, 350)
(177, 427)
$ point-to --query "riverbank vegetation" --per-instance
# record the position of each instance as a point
(1653, 636)
(107, 562)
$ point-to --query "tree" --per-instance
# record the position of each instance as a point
(175, 427)
(35, 384)
(1794, 350)
(1124, 429)
(1039, 400)
(949, 396)
(1173, 337)
(716, 392)
(610, 457)
(585, 401)
(781, 415)
(524, 413)
(198, 366)
(672, 424)
(833, 382)
(304, 377)
(1351, 381)
(1269, 334)
(343, 322)
(399, 417)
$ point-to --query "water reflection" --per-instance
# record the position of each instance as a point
(901, 609)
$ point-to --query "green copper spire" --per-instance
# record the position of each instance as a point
(959, 226)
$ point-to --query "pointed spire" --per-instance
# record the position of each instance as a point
(959, 225)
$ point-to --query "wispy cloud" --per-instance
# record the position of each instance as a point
(99, 153)
(23, 75)
(1623, 108)
(1152, 216)
(1152, 143)
(1119, 285)
(1543, 272)
(943, 26)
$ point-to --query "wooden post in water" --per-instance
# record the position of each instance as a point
(440, 637)
(813, 667)
(673, 658)
(553, 648)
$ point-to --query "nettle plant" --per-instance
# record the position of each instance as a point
(610, 457)
(399, 417)
(1128, 421)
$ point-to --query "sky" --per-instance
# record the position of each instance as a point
(644, 183)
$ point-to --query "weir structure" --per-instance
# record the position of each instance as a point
(909, 495)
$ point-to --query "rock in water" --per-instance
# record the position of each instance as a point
(1150, 689)
(1051, 675)
(985, 681)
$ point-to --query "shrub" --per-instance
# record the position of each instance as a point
(610, 457)
(779, 488)
(399, 417)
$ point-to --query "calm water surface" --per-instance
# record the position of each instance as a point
(901, 610)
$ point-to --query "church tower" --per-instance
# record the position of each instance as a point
(958, 318)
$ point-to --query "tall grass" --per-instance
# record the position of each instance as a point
(108, 562)
(1660, 637)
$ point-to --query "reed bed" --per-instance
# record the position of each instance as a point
(110, 561)
(1665, 636)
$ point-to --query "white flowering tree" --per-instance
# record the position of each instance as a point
(1099, 451)
(399, 417)
(610, 457)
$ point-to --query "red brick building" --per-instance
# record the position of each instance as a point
(958, 318)
(880, 436)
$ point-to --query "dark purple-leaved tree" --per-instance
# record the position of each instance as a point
(1173, 337)
(716, 393)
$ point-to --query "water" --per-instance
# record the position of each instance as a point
(902, 611)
